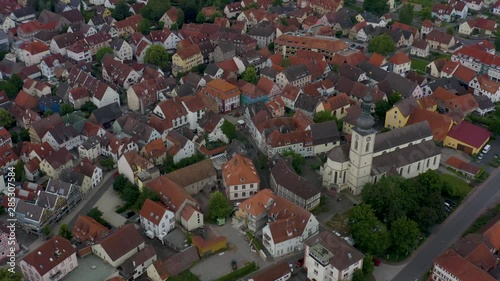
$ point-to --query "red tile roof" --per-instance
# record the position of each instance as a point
(44, 258)
(376, 59)
(239, 170)
(470, 134)
(171, 194)
(493, 234)
(113, 244)
(153, 211)
(88, 229)
(461, 268)
(26, 101)
(460, 164)
(34, 47)
(400, 58)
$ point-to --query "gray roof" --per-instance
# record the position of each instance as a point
(405, 156)
(211, 69)
(369, 17)
(30, 211)
(261, 31)
(284, 175)
(46, 200)
(326, 132)
(129, 266)
(340, 153)
(397, 137)
(226, 47)
(307, 103)
(296, 72)
(451, 84)
(58, 187)
(397, 83)
(373, 72)
(484, 102)
(72, 177)
(91, 142)
(63, 134)
(406, 106)
(192, 174)
(269, 72)
(107, 113)
(22, 12)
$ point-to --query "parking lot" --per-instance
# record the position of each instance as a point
(239, 251)
(107, 204)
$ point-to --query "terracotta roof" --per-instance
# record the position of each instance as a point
(172, 14)
(488, 85)
(34, 47)
(376, 59)
(26, 101)
(440, 124)
(221, 89)
(482, 23)
(427, 102)
(462, 165)
(464, 74)
(305, 42)
(59, 157)
(44, 258)
(470, 134)
(171, 194)
(401, 26)
(135, 160)
(113, 244)
(443, 95)
(265, 84)
(493, 234)
(461, 268)
(274, 272)
(153, 211)
(187, 212)
(88, 229)
(465, 103)
(193, 174)
(440, 37)
(427, 23)
(187, 52)
(155, 149)
(239, 170)
(400, 58)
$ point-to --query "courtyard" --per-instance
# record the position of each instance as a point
(91, 267)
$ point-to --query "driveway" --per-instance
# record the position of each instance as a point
(447, 152)
(219, 265)
(107, 204)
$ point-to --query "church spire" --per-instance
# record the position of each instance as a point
(365, 121)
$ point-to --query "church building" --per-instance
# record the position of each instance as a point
(407, 151)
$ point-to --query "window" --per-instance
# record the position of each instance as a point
(243, 186)
(315, 272)
(435, 158)
(236, 195)
(356, 145)
(235, 187)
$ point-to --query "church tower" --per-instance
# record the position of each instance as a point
(361, 152)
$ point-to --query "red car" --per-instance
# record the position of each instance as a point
(299, 263)
(115, 175)
(376, 261)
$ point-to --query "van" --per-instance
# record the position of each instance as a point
(486, 148)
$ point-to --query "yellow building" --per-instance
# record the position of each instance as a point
(467, 137)
(398, 115)
(186, 58)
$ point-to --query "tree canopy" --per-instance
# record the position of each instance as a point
(157, 55)
(370, 234)
(381, 108)
(96, 214)
(6, 120)
(425, 14)
(298, 160)
(229, 130)
(99, 55)
(404, 236)
(12, 86)
(377, 7)
(65, 109)
(323, 116)
(121, 11)
(200, 17)
(497, 44)
(250, 75)
(155, 9)
(218, 206)
(382, 44)
(6, 275)
(406, 14)
(144, 26)
(65, 232)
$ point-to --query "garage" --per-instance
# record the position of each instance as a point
(466, 149)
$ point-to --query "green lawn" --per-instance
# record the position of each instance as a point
(458, 185)
(419, 64)
(425, 3)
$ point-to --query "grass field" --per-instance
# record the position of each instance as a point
(460, 187)
(419, 64)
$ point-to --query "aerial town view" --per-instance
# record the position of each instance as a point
(250, 140)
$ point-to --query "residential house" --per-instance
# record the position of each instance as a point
(177, 200)
(5, 137)
(483, 86)
(106, 115)
(280, 272)
(136, 265)
(102, 94)
(288, 45)
(55, 162)
(89, 170)
(477, 26)
(112, 249)
(325, 136)
(88, 230)
(48, 64)
(210, 126)
(401, 63)
(144, 94)
(8, 158)
(286, 183)
(118, 73)
(269, 88)
(170, 17)
(485, 105)
(225, 94)
(440, 41)
(297, 75)
(173, 265)
(6, 23)
(467, 137)
(63, 136)
(496, 8)
(156, 151)
(78, 97)
(178, 146)
(263, 33)
(53, 260)
(122, 49)
(463, 167)
(128, 26)
(338, 105)
(132, 166)
(427, 27)
(156, 218)
(32, 53)
(398, 115)
(186, 58)
(224, 52)
(196, 177)
(240, 178)
(321, 265)
(420, 48)
(23, 15)
(165, 37)
(232, 10)
(285, 226)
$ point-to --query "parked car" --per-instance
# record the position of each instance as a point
(376, 262)
(450, 202)
(300, 263)
(234, 265)
(129, 214)
(480, 157)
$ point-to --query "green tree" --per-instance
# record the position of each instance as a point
(144, 26)
(382, 44)
(130, 194)
(6, 120)
(386, 198)
(229, 130)
(270, 47)
(65, 109)
(200, 17)
(323, 116)
(46, 230)
(497, 44)
(99, 55)
(19, 170)
(277, 3)
(65, 232)
(285, 62)
(406, 14)
(218, 206)
(24, 134)
(180, 17)
(371, 236)
(250, 75)
(298, 160)
(157, 55)
(146, 193)
(120, 183)
(174, 26)
(47, 113)
(394, 98)
(96, 214)
(450, 30)
(404, 236)
(17, 81)
(107, 163)
(431, 181)
(121, 11)
(155, 9)
(358, 275)
(12, 86)
(425, 14)
(6, 275)
(218, 14)
(381, 107)
(368, 265)
(283, 21)
(377, 7)
(88, 107)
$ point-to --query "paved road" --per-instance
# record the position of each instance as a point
(450, 231)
